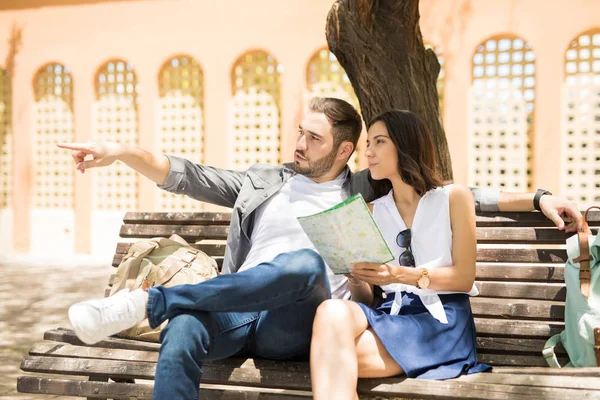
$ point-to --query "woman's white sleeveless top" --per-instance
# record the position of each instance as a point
(431, 243)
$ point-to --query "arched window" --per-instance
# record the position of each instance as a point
(325, 77)
(115, 119)
(255, 110)
(581, 119)
(53, 123)
(501, 114)
(5, 140)
(181, 122)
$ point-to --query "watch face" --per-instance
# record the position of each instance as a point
(424, 282)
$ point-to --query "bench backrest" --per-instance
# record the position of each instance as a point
(520, 265)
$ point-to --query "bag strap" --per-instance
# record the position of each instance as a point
(550, 356)
(548, 351)
(597, 345)
(128, 271)
(584, 256)
(181, 258)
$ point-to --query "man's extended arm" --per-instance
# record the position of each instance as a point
(174, 174)
(152, 166)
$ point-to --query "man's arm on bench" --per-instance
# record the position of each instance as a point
(564, 213)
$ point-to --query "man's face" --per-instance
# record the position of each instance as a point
(314, 155)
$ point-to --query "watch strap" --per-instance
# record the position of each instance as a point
(538, 196)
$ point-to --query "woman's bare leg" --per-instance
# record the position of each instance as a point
(333, 358)
(343, 349)
(374, 361)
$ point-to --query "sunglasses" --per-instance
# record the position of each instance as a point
(403, 240)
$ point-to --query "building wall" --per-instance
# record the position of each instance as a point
(85, 35)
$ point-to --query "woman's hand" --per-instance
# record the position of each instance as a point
(360, 291)
(375, 273)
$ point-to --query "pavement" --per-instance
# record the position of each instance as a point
(34, 297)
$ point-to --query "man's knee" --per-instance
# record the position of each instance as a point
(307, 262)
(186, 334)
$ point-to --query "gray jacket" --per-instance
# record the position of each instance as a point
(245, 191)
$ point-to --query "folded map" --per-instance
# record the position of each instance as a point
(345, 234)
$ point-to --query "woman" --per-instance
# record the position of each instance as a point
(425, 328)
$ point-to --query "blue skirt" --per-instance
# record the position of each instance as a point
(420, 344)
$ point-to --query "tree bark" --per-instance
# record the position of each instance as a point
(379, 44)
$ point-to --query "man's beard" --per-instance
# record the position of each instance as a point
(318, 168)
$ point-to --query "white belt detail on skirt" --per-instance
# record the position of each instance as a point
(429, 297)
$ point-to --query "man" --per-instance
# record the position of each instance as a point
(264, 303)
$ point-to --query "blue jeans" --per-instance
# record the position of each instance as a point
(266, 311)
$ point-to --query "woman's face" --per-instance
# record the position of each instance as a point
(381, 153)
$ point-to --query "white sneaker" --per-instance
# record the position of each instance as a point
(95, 320)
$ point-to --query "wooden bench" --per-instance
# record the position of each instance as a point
(520, 264)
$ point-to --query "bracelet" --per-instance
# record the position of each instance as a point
(538, 196)
(355, 284)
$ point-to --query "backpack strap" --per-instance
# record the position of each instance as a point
(597, 345)
(181, 258)
(548, 351)
(584, 263)
(550, 356)
(584, 256)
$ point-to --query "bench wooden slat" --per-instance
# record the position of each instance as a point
(119, 257)
(91, 389)
(516, 219)
(533, 219)
(518, 308)
(525, 379)
(504, 346)
(522, 290)
(593, 372)
(517, 328)
(212, 249)
(526, 360)
(57, 349)
(484, 235)
(270, 375)
(521, 236)
(79, 388)
(178, 218)
(188, 232)
(68, 336)
(545, 256)
(520, 272)
(517, 346)
(488, 327)
(486, 255)
(494, 350)
(485, 271)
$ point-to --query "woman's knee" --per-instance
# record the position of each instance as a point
(333, 314)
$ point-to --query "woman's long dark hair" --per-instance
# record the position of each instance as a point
(416, 154)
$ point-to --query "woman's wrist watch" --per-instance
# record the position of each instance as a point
(423, 281)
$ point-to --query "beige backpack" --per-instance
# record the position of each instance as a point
(160, 261)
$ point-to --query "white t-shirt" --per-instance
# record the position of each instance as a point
(276, 229)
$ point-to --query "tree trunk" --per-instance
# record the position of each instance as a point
(379, 44)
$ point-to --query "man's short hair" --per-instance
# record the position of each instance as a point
(346, 121)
